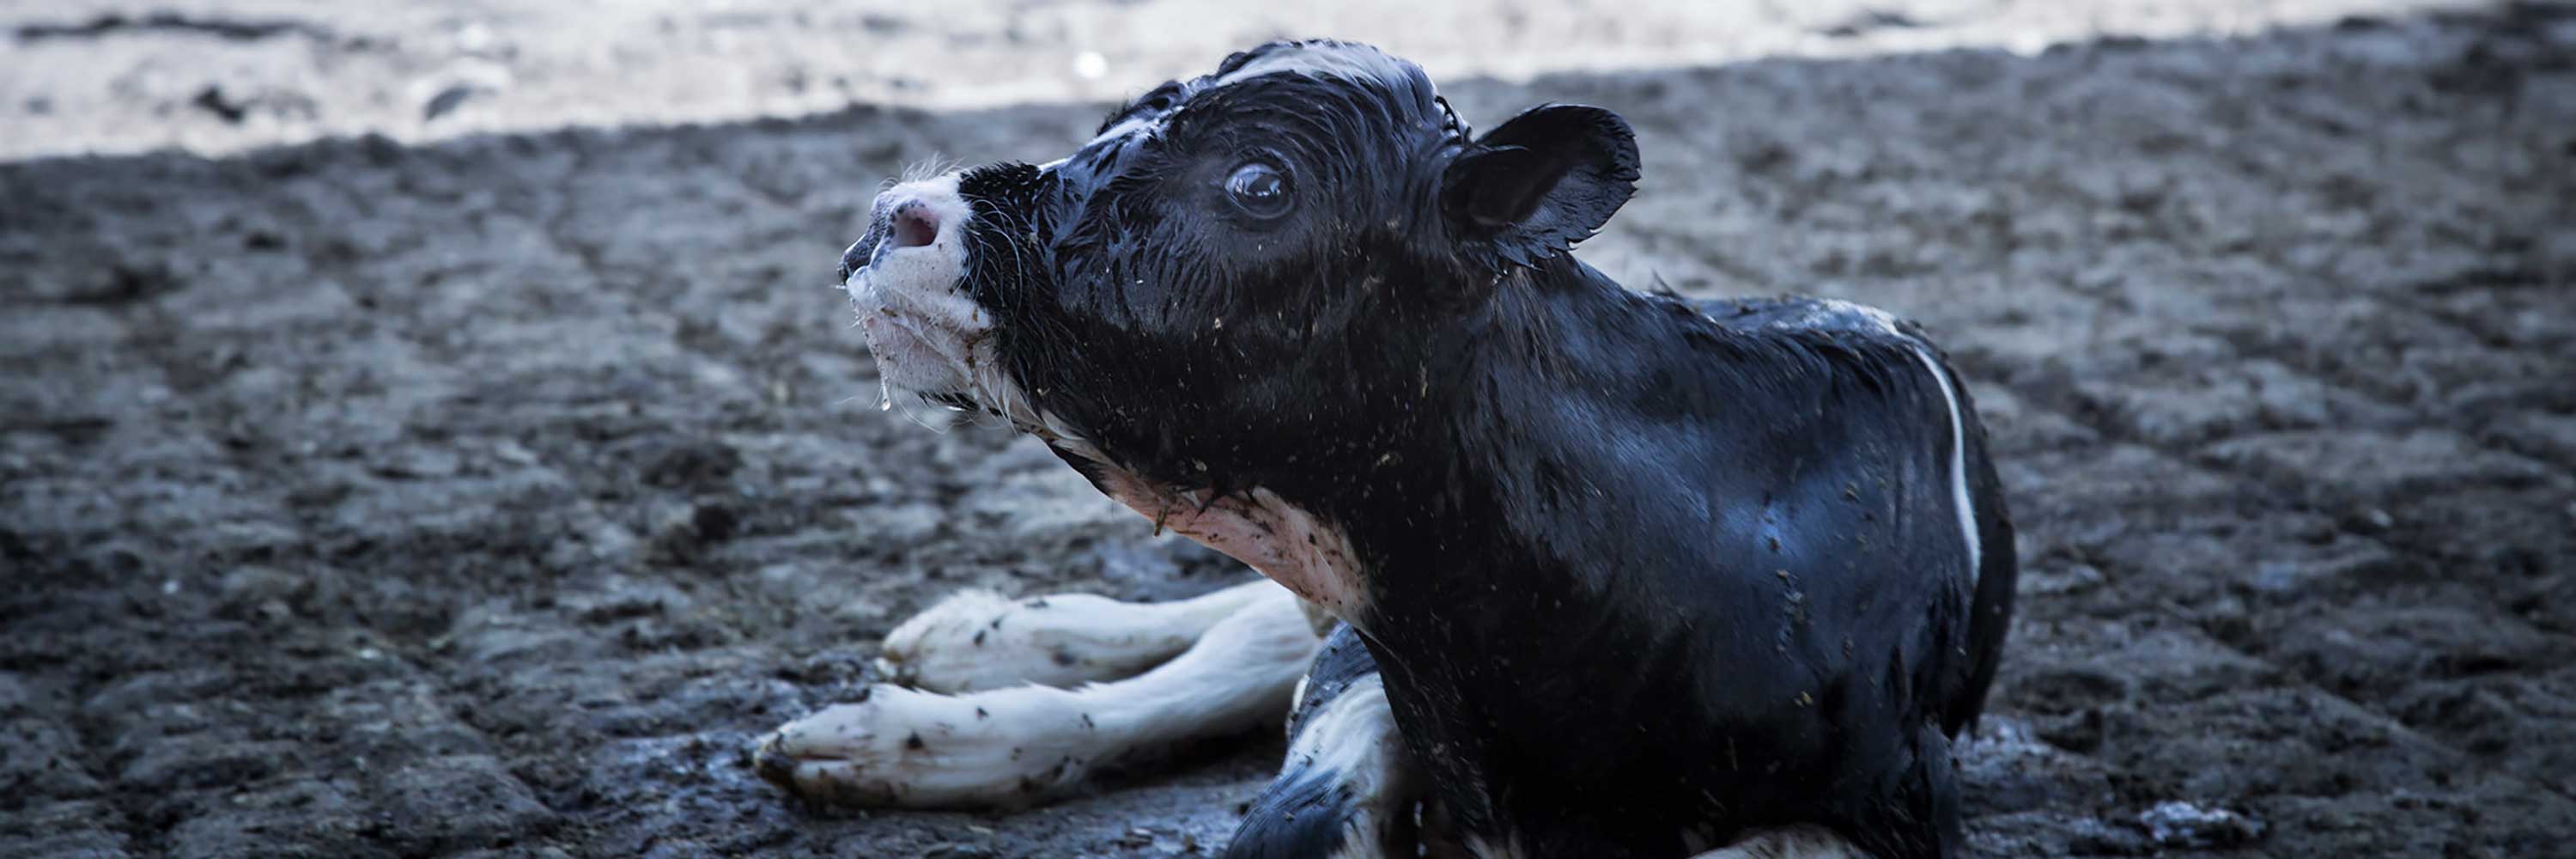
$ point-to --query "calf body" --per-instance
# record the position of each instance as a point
(1634, 576)
(1708, 573)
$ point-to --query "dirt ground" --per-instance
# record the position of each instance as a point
(488, 497)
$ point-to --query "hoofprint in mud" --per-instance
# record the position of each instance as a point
(1645, 577)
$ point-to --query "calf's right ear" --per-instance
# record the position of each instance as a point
(1535, 185)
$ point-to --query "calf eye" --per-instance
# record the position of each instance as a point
(1260, 190)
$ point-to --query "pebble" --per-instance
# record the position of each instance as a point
(2179, 824)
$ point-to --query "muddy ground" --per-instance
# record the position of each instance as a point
(490, 497)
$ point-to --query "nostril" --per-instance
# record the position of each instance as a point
(853, 258)
(914, 226)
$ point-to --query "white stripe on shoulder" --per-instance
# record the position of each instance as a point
(1145, 125)
(1958, 465)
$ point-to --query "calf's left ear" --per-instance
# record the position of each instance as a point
(1540, 182)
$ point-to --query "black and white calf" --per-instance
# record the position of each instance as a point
(1610, 573)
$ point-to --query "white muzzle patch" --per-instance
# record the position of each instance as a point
(929, 338)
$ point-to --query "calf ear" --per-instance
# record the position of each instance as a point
(1537, 184)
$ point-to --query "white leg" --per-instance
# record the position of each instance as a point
(1021, 745)
(979, 640)
(1795, 842)
(1348, 786)
(1347, 781)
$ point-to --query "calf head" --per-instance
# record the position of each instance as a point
(1236, 302)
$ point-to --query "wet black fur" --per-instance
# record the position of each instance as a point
(1633, 570)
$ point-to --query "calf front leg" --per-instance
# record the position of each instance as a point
(1021, 745)
(977, 639)
(1348, 787)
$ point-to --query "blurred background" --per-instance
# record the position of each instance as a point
(429, 429)
(103, 75)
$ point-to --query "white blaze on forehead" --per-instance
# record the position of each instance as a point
(1347, 62)
(1148, 125)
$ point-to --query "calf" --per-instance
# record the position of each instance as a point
(1610, 573)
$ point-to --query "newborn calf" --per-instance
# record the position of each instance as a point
(1616, 574)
